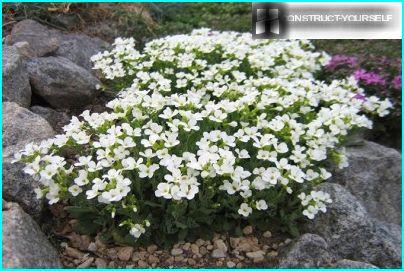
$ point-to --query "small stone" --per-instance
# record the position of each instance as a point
(287, 241)
(194, 249)
(125, 253)
(273, 254)
(178, 258)
(248, 230)
(267, 234)
(176, 251)
(209, 247)
(152, 248)
(136, 256)
(203, 251)
(219, 253)
(256, 255)
(112, 264)
(153, 259)
(230, 264)
(92, 247)
(87, 263)
(100, 263)
(142, 264)
(186, 246)
(239, 265)
(191, 262)
(275, 246)
(200, 242)
(75, 253)
(219, 244)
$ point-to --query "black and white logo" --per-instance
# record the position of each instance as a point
(268, 20)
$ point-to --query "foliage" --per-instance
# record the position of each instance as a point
(209, 130)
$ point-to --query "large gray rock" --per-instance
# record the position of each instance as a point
(21, 126)
(353, 265)
(42, 40)
(374, 177)
(57, 119)
(352, 234)
(24, 245)
(309, 251)
(80, 48)
(62, 83)
(16, 86)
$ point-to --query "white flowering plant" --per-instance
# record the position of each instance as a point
(209, 129)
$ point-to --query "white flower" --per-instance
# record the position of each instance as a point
(147, 171)
(75, 190)
(245, 210)
(261, 205)
(163, 190)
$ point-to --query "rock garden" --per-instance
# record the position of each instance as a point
(203, 149)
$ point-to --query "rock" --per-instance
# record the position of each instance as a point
(351, 233)
(272, 254)
(125, 253)
(230, 264)
(142, 264)
(24, 245)
(62, 83)
(42, 40)
(92, 247)
(374, 177)
(248, 230)
(152, 248)
(309, 251)
(100, 263)
(153, 259)
(55, 118)
(353, 265)
(176, 251)
(194, 249)
(20, 127)
(87, 263)
(219, 244)
(267, 234)
(16, 86)
(244, 244)
(80, 48)
(256, 255)
(75, 253)
(219, 253)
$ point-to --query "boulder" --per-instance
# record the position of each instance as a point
(16, 86)
(62, 83)
(57, 119)
(351, 233)
(80, 48)
(344, 263)
(374, 177)
(24, 245)
(42, 40)
(21, 126)
(308, 251)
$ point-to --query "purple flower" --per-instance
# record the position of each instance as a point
(397, 82)
(340, 60)
(360, 97)
(369, 78)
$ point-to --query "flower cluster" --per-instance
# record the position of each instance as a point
(208, 124)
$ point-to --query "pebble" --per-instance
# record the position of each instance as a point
(200, 242)
(125, 253)
(203, 251)
(111, 264)
(209, 247)
(218, 253)
(220, 244)
(136, 256)
(153, 259)
(87, 263)
(186, 246)
(256, 255)
(248, 230)
(194, 249)
(191, 262)
(273, 254)
(267, 234)
(152, 248)
(142, 264)
(176, 251)
(75, 253)
(100, 263)
(287, 241)
(92, 247)
(230, 264)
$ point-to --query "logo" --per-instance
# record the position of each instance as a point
(268, 21)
